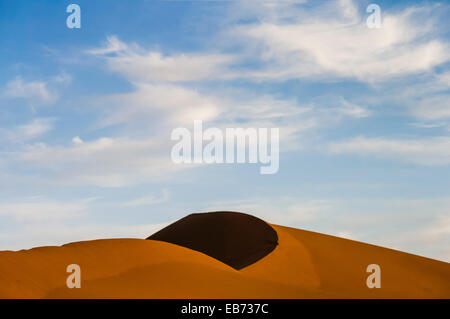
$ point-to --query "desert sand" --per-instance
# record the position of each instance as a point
(302, 264)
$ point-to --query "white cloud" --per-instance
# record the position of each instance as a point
(332, 40)
(172, 104)
(38, 209)
(425, 151)
(175, 105)
(432, 107)
(163, 106)
(77, 140)
(148, 200)
(428, 125)
(424, 97)
(353, 110)
(106, 162)
(62, 78)
(152, 111)
(32, 130)
(113, 45)
(35, 92)
(439, 228)
(444, 78)
(139, 65)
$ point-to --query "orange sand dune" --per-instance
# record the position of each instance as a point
(303, 265)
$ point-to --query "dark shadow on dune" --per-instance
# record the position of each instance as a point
(235, 239)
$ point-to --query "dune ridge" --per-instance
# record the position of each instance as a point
(236, 239)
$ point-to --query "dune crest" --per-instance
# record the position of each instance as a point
(236, 239)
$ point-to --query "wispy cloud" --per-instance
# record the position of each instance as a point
(41, 209)
(26, 132)
(35, 92)
(432, 107)
(113, 45)
(140, 65)
(332, 40)
(105, 162)
(171, 104)
(148, 200)
(424, 151)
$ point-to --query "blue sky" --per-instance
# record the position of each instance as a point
(86, 116)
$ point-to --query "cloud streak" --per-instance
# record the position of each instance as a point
(425, 151)
(332, 41)
(35, 92)
(26, 132)
(104, 162)
(140, 65)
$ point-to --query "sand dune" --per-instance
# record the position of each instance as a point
(302, 265)
(236, 239)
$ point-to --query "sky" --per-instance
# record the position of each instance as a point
(86, 116)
